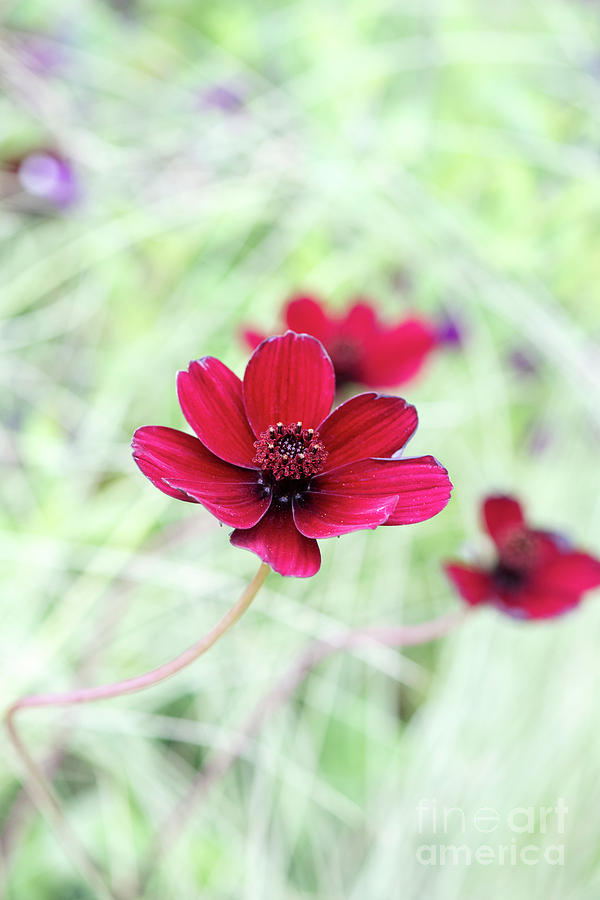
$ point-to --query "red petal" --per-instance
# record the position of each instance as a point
(537, 603)
(472, 584)
(253, 338)
(502, 516)
(359, 322)
(157, 452)
(320, 515)
(182, 467)
(277, 541)
(305, 315)
(211, 399)
(397, 354)
(154, 474)
(427, 489)
(572, 573)
(369, 425)
(289, 379)
(421, 485)
(547, 546)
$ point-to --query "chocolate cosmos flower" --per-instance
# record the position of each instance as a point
(271, 461)
(363, 350)
(536, 575)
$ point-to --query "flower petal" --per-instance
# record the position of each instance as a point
(181, 466)
(502, 516)
(211, 399)
(359, 322)
(305, 315)
(289, 379)
(155, 475)
(421, 485)
(253, 338)
(427, 489)
(572, 573)
(321, 515)
(473, 584)
(277, 541)
(157, 451)
(547, 546)
(369, 425)
(396, 355)
(537, 602)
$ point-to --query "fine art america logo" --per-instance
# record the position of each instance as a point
(490, 836)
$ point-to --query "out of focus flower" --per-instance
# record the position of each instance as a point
(222, 97)
(271, 461)
(523, 361)
(42, 54)
(42, 179)
(450, 330)
(363, 349)
(539, 438)
(536, 574)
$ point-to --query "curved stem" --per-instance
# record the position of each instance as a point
(274, 698)
(41, 791)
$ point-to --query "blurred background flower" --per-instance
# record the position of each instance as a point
(536, 575)
(223, 97)
(364, 350)
(44, 54)
(40, 180)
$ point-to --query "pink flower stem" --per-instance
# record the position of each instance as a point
(273, 699)
(42, 792)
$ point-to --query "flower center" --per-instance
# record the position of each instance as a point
(519, 552)
(289, 451)
(345, 356)
(518, 557)
(507, 579)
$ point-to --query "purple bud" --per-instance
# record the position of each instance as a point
(450, 330)
(41, 55)
(222, 97)
(45, 174)
(539, 439)
(523, 361)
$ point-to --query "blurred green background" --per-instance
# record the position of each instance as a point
(433, 156)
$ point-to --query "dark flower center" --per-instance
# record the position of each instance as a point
(289, 452)
(345, 356)
(519, 551)
(518, 556)
(507, 579)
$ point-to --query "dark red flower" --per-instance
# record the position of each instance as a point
(363, 350)
(536, 574)
(271, 461)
